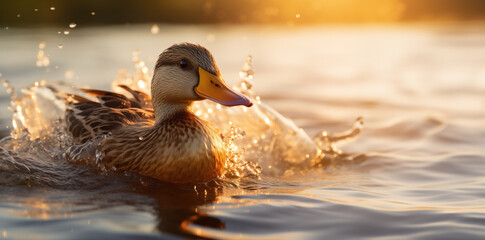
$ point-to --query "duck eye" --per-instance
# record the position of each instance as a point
(184, 63)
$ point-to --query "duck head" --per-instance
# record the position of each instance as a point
(187, 72)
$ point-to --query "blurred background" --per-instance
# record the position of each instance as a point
(285, 12)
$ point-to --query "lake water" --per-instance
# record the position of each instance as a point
(415, 172)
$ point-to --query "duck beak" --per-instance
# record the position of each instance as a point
(214, 88)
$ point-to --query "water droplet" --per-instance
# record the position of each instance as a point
(69, 74)
(140, 138)
(35, 9)
(60, 46)
(52, 8)
(155, 29)
(267, 121)
(141, 84)
(42, 59)
(18, 15)
(72, 25)
(14, 123)
(135, 56)
(93, 13)
(66, 32)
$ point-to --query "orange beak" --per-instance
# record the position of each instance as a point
(214, 88)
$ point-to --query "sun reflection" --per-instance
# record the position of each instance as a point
(40, 209)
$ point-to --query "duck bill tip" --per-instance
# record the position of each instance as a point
(249, 103)
(214, 88)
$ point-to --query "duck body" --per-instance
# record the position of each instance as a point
(158, 135)
(181, 148)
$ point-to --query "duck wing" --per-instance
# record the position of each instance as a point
(87, 119)
(142, 98)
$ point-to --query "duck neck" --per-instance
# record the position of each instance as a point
(166, 110)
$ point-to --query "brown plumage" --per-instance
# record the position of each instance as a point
(159, 137)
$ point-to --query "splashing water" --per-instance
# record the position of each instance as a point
(139, 81)
(273, 141)
(258, 139)
(42, 59)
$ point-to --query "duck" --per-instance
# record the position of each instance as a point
(159, 135)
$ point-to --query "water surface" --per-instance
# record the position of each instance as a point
(415, 172)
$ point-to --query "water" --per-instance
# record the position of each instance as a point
(415, 172)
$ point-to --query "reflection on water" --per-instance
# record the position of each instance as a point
(415, 172)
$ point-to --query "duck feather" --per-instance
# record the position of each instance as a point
(87, 119)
